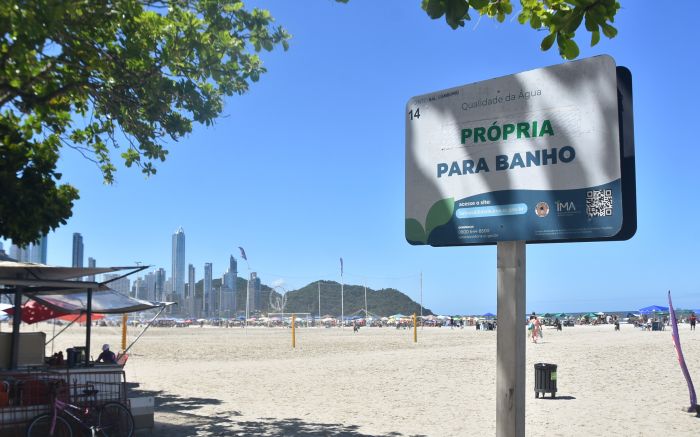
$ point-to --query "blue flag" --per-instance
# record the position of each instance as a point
(243, 253)
(341, 266)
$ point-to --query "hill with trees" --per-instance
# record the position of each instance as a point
(383, 302)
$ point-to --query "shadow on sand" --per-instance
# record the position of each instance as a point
(192, 423)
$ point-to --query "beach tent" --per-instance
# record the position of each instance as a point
(34, 312)
(488, 315)
(29, 279)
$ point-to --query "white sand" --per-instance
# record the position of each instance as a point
(218, 381)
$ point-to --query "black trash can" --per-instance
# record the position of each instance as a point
(71, 357)
(545, 379)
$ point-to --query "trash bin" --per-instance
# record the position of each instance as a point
(71, 357)
(545, 379)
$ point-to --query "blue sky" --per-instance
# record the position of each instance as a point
(309, 165)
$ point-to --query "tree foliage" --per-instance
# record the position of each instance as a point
(105, 75)
(560, 17)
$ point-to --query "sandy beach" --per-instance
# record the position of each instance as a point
(221, 381)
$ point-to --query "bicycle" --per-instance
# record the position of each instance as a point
(111, 419)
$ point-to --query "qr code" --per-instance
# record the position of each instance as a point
(599, 203)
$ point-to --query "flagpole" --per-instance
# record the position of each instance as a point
(421, 300)
(342, 300)
(365, 304)
(319, 303)
(247, 289)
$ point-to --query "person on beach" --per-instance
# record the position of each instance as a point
(693, 320)
(533, 329)
(107, 356)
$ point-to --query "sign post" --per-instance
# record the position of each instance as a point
(542, 156)
(510, 339)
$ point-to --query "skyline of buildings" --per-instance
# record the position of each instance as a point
(155, 285)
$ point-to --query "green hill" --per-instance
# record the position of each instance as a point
(384, 302)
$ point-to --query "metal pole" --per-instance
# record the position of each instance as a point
(415, 329)
(510, 361)
(319, 304)
(366, 305)
(16, 320)
(88, 322)
(247, 299)
(294, 338)
(421, 300)
(342, 303)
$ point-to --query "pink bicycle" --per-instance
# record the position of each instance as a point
(111, 419)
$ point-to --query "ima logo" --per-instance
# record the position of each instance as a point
(565, 206)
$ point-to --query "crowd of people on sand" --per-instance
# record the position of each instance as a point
(535, 323)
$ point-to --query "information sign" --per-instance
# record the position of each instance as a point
(535, 156)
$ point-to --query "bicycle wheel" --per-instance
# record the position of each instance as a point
(41, 427)
(116, 420)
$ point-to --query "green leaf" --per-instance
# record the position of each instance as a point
(595, 37)
(548, 41)
(439, 214)
(535, 22)
(609, 30)
(456, 12)
(414, 232)
(591, 25)
(478, 4)
(569, 49)
(434, 8)
(574, 21)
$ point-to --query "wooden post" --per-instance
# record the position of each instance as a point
(125, 318)
(294, 338)
(510, 364)
(415, 329)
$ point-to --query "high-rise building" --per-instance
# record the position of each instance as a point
(254, 292)
(178, 272)
(159, 294)
(92, 264)
(231, 275)
(139, 289)
(227, 297)
(190, 291)
(207, 294)
(77, 250)
(21, 254)
(120, 285)
(38, 250)
(150, 280)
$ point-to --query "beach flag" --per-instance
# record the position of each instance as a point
(341, 266)
(681, 360)
(243, 253)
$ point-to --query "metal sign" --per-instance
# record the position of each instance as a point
(540, 156)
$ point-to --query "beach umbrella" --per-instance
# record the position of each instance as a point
(653, 309)
(487, 315)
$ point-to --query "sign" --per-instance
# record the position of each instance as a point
(535, 156)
